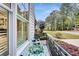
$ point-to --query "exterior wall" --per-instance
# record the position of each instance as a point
(31, 22)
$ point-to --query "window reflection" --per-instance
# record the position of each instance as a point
(21, 32)
(3, 31)
(22, 10)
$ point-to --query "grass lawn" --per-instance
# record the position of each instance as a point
(61, 35)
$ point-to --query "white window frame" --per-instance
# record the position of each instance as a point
(22, 47)
(13, 42)
(12, 26)
(13, 30)
(9, 29)
(30, 29)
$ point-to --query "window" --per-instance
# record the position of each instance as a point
(22, 10)
(3, 32)
(21, 32)
(22, 15)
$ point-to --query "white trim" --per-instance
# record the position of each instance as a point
(22, 18)
(13, 30)
(51, 37)
(5, 7)
(22, 47)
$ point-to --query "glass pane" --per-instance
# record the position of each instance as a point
(21, 32)
(3, 32)
(7, 4)
(22, 10)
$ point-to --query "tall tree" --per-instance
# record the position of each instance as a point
(70, 10)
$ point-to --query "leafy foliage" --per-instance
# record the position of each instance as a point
(65, 19)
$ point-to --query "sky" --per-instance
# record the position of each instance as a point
(42, 10)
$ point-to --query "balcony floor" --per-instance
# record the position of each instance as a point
(45, 51)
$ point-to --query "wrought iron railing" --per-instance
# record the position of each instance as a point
(56, 49)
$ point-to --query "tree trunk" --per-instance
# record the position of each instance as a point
(62, 25)
(55, 25)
